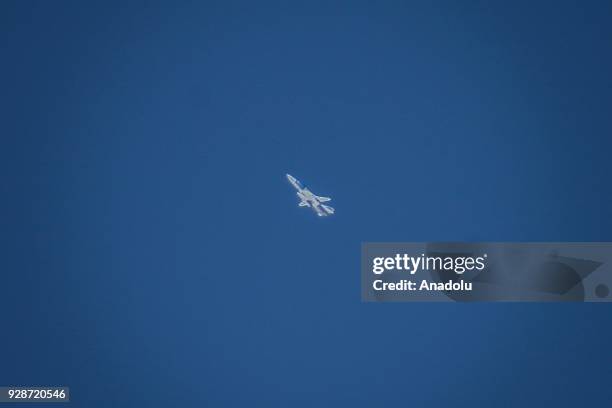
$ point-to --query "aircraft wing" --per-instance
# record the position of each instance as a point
(323, 199)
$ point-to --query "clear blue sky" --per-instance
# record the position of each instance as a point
(154, 254)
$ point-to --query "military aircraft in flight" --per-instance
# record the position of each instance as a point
(308, 199)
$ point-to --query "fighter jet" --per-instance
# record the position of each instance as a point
(308, 199)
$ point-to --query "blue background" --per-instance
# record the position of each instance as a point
(154, 255)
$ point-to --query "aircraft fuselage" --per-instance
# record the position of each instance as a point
(308, 199)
